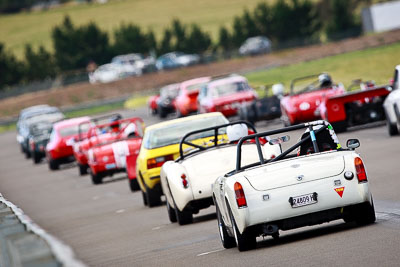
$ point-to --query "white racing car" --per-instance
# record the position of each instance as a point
(320, 183)
(392, 105)
(187, 182)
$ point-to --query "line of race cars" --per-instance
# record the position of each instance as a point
(260, 183)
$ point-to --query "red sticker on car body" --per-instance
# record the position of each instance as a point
(340, 191)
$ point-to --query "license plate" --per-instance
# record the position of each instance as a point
(111, 166)
(303, 200)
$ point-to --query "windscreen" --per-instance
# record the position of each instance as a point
(173, 133)
(195, 87)
(229, 88)
(73, 130)
(51, 117)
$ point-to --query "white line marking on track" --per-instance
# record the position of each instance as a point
(120, 211)
(209, 252)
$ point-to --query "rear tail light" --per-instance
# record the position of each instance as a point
(184, 181)
(360, 170)
(158, 162)
(239, 194)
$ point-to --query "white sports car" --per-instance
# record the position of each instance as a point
(392, 105)
(320, 183)
(187, 182)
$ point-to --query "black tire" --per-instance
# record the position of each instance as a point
(83, 169)
(161, 112)
(184, 217)
(227, 240)
(36, 157)
(96, 178)
(392, 128)
(366, 214)
(244, 241)
(27, 154)
(53, 165)
(144, 198)
(171, 213)
(153, 198)
(134, 185)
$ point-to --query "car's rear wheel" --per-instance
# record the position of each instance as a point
(171, 213)
(144, 198)
(391, 127)
(134, 185)
(184, 217)
(227, 240)
(244, 241)
(96, 178)
(161, 112)
(83, 169)
(53, 165)
(27, 154)
(153, 198)
(366, 214)
(36, 157)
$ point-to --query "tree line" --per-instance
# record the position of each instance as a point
(282, 21)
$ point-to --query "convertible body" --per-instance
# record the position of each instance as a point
(186, 182)
(321, 183)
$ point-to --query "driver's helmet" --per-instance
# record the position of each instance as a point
(115, 122)
(325, 80)
(278, 89)
(130, 130)
(236, 131)
(327, 140)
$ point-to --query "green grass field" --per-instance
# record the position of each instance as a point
(35, 27)
(371, 64)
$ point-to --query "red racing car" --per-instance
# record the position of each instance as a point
(186, 101)
(226, 94)
(306, 95)
(106, 159)
(59, 149)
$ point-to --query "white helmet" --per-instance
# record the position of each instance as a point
(130, 130)
(237, 131)
(278, 89)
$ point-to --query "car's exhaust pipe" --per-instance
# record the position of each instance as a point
(270, 229)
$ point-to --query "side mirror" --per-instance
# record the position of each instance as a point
(352, 143)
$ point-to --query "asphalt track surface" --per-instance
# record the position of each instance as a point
(107, 225)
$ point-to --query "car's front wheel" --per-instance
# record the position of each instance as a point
(227, 240)
(144, 198)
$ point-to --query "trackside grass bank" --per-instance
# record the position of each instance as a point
(370, 64)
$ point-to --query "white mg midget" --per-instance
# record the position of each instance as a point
(186, 182)
(322, 182)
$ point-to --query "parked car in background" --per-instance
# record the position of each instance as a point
(138, 61)
(392, 105)
(59, 149)
(166, 103)
(29, 117)
(161, 144)
(174, 60)
(255, 45)
(306, 95)
(112, 72)
(266, 108)
(186, 101)
(225, 94)
(39, 135)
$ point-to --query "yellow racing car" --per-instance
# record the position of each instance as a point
(161, 143)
